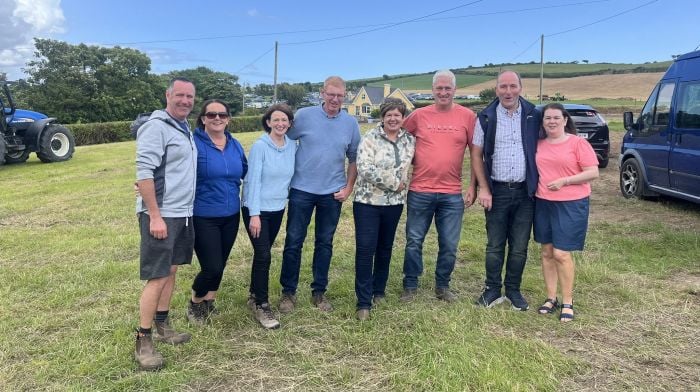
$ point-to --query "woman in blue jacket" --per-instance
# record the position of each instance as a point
(264, 199)
(221, 164)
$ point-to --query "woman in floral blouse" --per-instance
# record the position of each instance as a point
(383, 159)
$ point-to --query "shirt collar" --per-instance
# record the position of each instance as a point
(501, 110)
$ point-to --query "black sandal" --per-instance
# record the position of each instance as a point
(566, 317)
(544, 309)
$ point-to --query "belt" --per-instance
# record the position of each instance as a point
(510, 185)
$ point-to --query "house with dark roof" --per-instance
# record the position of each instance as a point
(369, 98)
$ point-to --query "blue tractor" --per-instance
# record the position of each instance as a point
(23, 132)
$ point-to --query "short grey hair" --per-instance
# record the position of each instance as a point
(520, 82)
(445, 73)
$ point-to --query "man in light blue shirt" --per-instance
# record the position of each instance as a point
(327, 136)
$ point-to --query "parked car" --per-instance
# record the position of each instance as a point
(660, 153)
(591, 126)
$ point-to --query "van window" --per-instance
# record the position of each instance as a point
(648, 111)
(663, 104)
(688, 115)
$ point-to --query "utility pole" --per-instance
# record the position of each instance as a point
(541, 64)
(274, 96)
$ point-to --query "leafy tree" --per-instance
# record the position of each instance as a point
(211, 84)
(292, 93)
(488, 94)
(375, 113)
(264, 90)
(81, 83)
(385, 77)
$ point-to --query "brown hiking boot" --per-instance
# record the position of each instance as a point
(408, 295)
(165, 333)
(363, 314)
(321, 302)
(146, 355)
(445, 294)
(197, 313)
(287, 303)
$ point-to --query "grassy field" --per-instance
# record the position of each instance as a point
(425, 81)
(69, 283)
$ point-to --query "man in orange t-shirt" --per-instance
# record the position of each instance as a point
(443, 132)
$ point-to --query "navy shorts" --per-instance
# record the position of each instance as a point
(157, 256)
(561, 223)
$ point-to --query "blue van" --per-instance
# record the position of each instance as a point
(660, 152)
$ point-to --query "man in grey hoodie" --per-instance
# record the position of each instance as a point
(166, 167)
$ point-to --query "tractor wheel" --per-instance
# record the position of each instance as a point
(17, 156)
(2, 149)
(56, 144)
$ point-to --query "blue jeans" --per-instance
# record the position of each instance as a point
(509, 221)
(447, 210)
(375, 229)
(301, 206)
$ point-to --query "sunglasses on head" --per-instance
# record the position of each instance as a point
(213, 115)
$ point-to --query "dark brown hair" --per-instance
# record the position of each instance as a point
(203, 111)
(278, 107)
(570, 127)
(391, 104)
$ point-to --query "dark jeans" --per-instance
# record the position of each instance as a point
(301, 206)
(447, 210)
(270, 222)
(213, 240)
(509, 221)
(375, 229)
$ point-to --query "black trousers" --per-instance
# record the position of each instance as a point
(213, 240)
(270, 223)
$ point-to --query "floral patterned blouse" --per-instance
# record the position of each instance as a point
(382, 166)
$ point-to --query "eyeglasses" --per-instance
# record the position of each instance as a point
(331, 96)
(213, 115)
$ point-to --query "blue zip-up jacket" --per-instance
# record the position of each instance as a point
(166, 153)
(219, 175)
(266, 186)
(530, 123)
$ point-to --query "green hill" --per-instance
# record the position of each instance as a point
(475, 75)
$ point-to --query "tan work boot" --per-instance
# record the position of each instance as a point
(321, 302)
(287, 303)
(146, 355)
(165, 333)
(265, 317)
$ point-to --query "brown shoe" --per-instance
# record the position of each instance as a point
(321, 302)
(145, 354)
(287, 303)
(251, 302)
(378, 300)
(408, 295)
(363, 314)
(445, 294)
(165, 333)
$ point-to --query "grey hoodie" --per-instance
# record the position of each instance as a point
(166, 153)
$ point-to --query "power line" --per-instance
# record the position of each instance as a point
(584, 26)
(255, 61)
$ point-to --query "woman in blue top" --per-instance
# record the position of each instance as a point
(264, 199)
(221, 164)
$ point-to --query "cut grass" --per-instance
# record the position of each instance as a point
(69, 280)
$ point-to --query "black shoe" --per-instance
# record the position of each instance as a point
(489, 298)
(517, 301)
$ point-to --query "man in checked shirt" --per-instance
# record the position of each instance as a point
(503, 162)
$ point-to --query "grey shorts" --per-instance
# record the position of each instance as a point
(157, 256)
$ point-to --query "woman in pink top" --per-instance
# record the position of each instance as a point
(566, 164)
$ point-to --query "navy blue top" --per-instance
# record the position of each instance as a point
(219, 175)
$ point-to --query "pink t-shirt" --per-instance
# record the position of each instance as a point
(565, 159)
(441, 139)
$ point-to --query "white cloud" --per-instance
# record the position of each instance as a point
(253, 12)
(20, 22)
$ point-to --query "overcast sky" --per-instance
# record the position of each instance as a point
(355, 39)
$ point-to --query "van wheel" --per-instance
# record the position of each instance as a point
(631, 179)
(603, 163)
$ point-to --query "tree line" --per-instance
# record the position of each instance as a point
(87, 83)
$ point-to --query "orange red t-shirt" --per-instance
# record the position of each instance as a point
(441, 139)
(564, 159)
